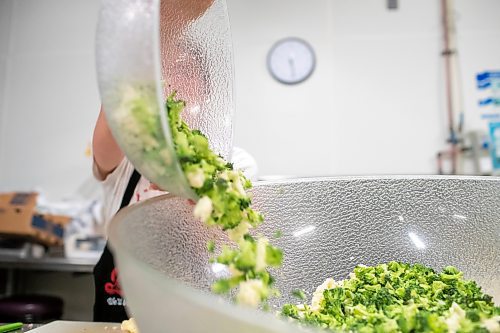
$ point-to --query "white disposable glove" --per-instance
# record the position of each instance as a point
(245, 162)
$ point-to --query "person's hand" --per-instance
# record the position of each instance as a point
(155, 187)
(182, 12)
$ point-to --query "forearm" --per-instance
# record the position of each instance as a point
(107, 153)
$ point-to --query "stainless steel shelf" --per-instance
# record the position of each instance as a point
(59, 264)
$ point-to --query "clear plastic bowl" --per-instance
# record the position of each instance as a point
(329, 226)
(146, 49)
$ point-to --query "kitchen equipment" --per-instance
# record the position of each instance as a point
(146, 49)
(328, 226)
(20, 219)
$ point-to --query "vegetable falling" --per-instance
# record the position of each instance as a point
(224, 202)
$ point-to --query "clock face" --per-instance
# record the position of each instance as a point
(291, 60)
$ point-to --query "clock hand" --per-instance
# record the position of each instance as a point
(291, 62)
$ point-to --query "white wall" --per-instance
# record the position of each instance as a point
(286, 128)
(365, 109)
(375, 103)
(5, 19)
(479, 44)
(387, 86)
(373, 106)
(50, 99)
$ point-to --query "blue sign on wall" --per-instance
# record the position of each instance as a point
(485, 79)
(495, 144)
(488, 83)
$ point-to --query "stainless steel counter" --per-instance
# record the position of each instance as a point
(61, 264)
(14, 265)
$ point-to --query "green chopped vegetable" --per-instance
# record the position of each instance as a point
(300, 294)
(398, 297)
(211, 246)
(224, 202)
(222, 286)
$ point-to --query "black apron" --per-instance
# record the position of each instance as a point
(109, 304)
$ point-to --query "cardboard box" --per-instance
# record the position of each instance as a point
(18, 217)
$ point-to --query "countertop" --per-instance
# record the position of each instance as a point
(47, 263)
(60, 326)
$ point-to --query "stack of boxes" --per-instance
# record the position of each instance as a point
(19, 219)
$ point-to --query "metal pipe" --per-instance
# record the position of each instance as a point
(440, 163)
(447, 54)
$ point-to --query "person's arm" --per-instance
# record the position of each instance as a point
(107, 153)
(182, 11)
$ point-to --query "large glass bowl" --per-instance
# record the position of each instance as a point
(146, 49)
(329, 226)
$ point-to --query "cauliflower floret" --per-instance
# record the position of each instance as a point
(260, 258)
(203, 209)
(196, 178)
(238, 186)
(492, 324)
(456, 315)
(235, 179)
(129, 326)
(250, 293)
(318, 294)
(234, 271)
(237, 233)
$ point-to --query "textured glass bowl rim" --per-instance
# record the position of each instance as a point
(223, 307)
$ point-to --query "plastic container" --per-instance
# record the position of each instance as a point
(146, 49)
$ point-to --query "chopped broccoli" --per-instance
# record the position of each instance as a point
(300, 294)
(211, 246)
(224, 202)
(398, 297)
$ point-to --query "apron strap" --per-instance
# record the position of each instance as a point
(109, 305)
(129, 191)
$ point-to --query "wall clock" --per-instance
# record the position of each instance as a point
(291, 60)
